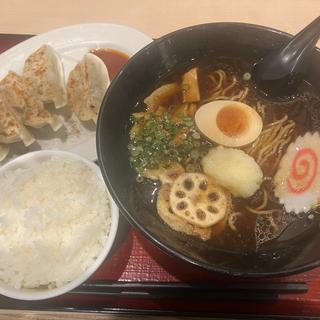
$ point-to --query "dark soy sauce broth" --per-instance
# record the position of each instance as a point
(303, 109)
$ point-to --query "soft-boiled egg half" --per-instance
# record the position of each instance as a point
(229, 123)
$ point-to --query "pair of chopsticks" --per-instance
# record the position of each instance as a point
(154, 290)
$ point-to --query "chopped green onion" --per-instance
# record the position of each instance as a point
(155, 143)
(196, 135)
(190, 168)
(246, 76)
(194, 154)
(196, 144)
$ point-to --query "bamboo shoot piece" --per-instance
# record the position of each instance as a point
(190, 86)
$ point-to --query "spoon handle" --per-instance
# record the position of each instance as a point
(293, 57)
(301, 45)
(281, 72)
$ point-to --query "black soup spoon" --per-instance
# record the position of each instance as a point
(280, 73)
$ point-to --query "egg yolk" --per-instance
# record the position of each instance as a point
(232, 121)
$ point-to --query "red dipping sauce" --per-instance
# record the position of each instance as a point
(113, 59)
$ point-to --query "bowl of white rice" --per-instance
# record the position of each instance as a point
(57, 224)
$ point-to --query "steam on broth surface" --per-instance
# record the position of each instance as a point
(164, 137)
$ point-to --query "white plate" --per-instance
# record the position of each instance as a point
(71, 43)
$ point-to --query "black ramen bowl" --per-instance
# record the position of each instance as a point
(136, 80)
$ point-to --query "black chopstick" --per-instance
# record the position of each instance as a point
(155, 290)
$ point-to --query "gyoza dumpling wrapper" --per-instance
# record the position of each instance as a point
(44, 75)
(86, 87)
(28, 108)
(4, 150)
(11, 127)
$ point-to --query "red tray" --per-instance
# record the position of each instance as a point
(135, 259)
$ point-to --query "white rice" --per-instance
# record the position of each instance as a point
(54, 221)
